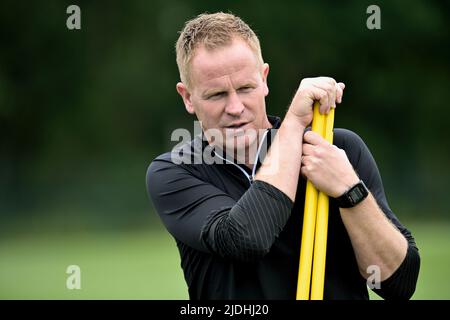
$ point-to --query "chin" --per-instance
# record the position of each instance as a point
(240, 144)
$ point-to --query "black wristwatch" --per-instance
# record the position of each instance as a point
(353, 196)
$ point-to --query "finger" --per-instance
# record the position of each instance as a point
(339, 93)
(306, 161)
(320, 94)
(313, 138)
(332, 96)
(328, 80)
(329, 85)
(324, 97)
(303, 170)
(324, 106)
(307, 149)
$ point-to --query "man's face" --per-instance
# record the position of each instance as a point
(227, 92)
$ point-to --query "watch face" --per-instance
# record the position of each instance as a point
(356, 194)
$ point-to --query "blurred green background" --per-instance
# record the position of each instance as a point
(83, 113)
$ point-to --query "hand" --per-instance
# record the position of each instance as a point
(326, 166)
(322, 89)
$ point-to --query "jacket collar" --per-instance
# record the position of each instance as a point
(262, 149)
(275, 121)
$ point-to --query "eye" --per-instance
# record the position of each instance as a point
(217, 95)
(245, 89)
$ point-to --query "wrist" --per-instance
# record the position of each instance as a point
(350, 181)
(292, 120)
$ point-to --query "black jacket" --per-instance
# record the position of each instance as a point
(240, 239)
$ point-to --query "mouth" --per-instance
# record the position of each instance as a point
(237, 125)
(236, 129)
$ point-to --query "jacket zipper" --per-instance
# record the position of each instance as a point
(251, 177)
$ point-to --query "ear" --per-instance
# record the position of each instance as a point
(265, 73)
(186, 96)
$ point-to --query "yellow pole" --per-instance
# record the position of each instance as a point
(309, 221)
(320, 241)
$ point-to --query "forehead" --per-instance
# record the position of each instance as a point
(211, 67)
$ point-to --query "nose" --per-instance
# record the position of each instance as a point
(234, 106)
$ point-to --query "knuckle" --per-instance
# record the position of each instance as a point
(331, 81)
(301, 90)
(305, 81)
(332, 90)
(330, 148)
(318, 152)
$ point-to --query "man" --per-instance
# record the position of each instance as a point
(237, 222)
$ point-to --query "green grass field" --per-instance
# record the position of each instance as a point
(146, 265)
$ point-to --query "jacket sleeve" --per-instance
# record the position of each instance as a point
(402, 283)
(207, 219)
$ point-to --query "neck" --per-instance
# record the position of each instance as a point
(252, 152)
(248, 155)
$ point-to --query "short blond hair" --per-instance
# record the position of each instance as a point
(211, 30)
